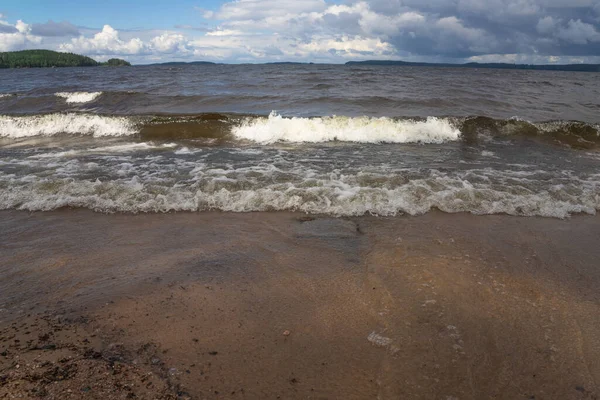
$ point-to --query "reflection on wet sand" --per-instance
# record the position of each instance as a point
(281, 305)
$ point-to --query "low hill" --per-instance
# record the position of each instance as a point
(48, 58)
(562, 67)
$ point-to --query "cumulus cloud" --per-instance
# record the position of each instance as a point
(105, 42)
(170, 43)
(109, 42)
(16, 37)
(579, 32)
(547, 25)
(335, 31)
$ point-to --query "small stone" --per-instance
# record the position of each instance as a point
(286, 333)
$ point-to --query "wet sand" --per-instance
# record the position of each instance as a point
(282, 305)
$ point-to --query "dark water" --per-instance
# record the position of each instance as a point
(322, 139)
(309, 90)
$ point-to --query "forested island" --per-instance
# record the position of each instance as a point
(537, 67)
(49, 59)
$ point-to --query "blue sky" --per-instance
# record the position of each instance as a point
(137, 14)
(528, 31)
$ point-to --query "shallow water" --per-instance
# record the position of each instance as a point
(326, 139)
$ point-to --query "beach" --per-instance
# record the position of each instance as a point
(299, 232)
(289, 305)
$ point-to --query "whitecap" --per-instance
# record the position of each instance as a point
(78, 97)
(276, 128)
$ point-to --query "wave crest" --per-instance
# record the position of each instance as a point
(276, 128)
(54, 124)
(78, 97)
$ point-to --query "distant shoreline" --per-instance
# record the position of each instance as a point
(533, 67)
(53, 59)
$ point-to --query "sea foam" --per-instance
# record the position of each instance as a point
(53, 124)
(78, 97)
(276, 128)
(133, 184)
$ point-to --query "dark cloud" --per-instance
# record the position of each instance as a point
(5, 28)
(55, 29)
(535, 27)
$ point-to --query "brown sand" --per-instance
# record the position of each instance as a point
(280, 305)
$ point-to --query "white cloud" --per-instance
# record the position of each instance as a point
(335, 30)
(17, 37)
(170, 43)
(346, 46)
(261, 9)
(104, 43)
(225, 32)
(530, 59)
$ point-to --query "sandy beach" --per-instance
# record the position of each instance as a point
(283, 305)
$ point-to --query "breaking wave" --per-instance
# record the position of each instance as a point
(78, 97)
(75, 124)
(276, 128)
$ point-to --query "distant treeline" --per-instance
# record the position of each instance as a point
(182, 63)
(555, 67)
(48, 58)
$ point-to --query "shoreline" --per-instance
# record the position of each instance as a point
(268, 304)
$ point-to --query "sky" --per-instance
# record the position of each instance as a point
(326, 31)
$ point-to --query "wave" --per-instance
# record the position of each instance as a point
(6, 95)
(78, 97)
(573, 134)
(267, 188)
(75, 124)
(276, 128)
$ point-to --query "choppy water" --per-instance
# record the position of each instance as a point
(321, 139)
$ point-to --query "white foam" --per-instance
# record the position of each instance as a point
(6, 95)
(183, 185)
(276, 128)
(116, 149)
(78, 97)
(53, 124)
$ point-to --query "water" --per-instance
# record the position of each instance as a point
(327, 139)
